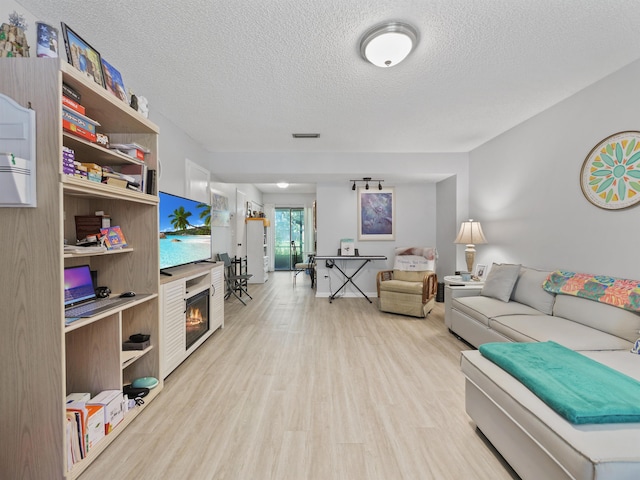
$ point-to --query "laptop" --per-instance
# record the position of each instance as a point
(80, 299)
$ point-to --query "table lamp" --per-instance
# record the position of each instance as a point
(470, 234)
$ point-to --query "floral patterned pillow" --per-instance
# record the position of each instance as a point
(618, 292)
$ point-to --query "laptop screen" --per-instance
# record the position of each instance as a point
(78, 286)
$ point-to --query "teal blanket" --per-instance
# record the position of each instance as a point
(576, 387)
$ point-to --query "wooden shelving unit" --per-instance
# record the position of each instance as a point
(257, 255)
(44, 359)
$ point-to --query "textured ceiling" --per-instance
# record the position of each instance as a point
(243, 75)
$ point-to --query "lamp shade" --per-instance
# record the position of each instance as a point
(470, 234)
(388, 44)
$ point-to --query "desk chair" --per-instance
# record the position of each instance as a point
(309, 266)
(234, 282)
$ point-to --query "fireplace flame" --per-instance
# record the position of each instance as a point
(194, 317)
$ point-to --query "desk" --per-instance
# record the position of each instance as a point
(331, 260)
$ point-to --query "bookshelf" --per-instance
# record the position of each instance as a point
(44, 359)
(257, 255)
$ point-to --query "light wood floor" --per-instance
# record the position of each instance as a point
(296, 388)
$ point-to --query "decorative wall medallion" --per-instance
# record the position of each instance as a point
(610, 175)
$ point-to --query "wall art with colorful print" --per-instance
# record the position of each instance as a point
(610, 175)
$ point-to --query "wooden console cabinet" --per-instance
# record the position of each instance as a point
(184, 283)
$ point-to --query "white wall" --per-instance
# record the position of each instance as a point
(452, 199)
(525, 186)
(289, 199)
(337, 219)
(446, 227)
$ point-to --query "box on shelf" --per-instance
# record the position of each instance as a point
(78, 397)
(94, 172)
(79, 120)
(129, 345)
(95, 425)
(131, 149)
(72, 104)
(115, 181)
(113, 403)
(79, 131)
(87, 225)
(70, 92)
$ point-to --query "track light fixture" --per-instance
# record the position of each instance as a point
(366, 181)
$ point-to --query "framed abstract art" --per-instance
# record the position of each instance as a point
(376, 214)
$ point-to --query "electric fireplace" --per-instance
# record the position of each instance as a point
(197, 317)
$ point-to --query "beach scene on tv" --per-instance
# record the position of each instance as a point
(185, 231)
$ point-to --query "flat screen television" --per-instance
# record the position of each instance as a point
(185, 231)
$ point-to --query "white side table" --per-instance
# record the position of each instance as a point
(456, 288)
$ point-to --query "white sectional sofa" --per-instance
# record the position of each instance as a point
(536, 441)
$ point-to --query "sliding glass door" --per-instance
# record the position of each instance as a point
(289, 238)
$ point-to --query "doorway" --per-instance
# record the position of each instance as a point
(289, 245)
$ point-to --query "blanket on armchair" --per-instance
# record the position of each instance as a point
(578, 388)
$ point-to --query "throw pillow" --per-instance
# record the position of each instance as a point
(413, 263)
(500, 281)
(528, 290)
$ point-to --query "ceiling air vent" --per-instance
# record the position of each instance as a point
(306, 135)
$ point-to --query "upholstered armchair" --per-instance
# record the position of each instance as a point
(410, 288)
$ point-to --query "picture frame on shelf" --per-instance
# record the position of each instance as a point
(376, 214)
(481, 271)
(113, 81)
(82, 56)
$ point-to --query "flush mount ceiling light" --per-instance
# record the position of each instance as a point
(388, 44)
(282, 184)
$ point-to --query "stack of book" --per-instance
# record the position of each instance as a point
(85, 428)
(68, 164)
(94, 172)
(129, 176)
(73, 116)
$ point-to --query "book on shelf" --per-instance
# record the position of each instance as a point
(151, 182)
(124, 180)
(74, 454)
(114, 238)
(79, 409)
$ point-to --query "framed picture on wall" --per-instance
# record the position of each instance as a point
(376, 214)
